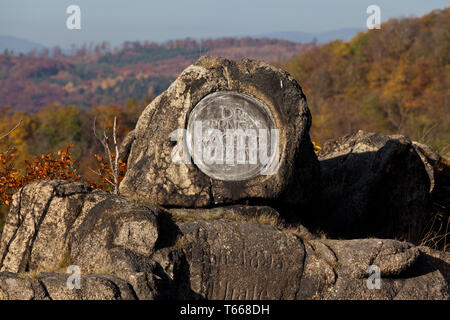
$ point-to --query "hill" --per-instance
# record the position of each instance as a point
(321, 37)
(392, 80)
(18, 45)
(98, 75)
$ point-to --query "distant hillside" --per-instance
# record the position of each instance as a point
(305, 37)
(98, 75)
(393, 80)
(18, 45)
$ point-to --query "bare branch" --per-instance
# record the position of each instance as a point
(100, 175)
(9, 132)
(116, 158)
(113, 164)
(95, 132)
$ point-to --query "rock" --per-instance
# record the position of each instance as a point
(438, 259)
(53, 221)
(128, 250)
(115, 235)
(239, 260)
(263, 215)
(92, 287)
(13, 287)
(430, 159)
(438, 169)
(242, 260)
(374, 185)
(261, 89)
(54, 224)
(125, 146)
(53, 286)
(406, 272)
(232, 212)
(27, 219)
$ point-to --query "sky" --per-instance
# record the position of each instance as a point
(44, 21)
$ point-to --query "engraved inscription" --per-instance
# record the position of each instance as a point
(232, 136)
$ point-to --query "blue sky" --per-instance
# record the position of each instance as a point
(44, 21)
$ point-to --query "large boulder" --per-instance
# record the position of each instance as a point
(223, 94)
(238, 260)
(374, 185)
(53, 225)
(51, 221)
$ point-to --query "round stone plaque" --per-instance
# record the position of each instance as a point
(232, 136)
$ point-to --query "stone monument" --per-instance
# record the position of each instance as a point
(224, 132)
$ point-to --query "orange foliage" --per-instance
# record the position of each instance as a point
(106, 173)
(46, 167)
(49, 167)
(9, 180)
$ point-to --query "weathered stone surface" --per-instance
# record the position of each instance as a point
(116, 235)
(13, 287)
(127, 250)
(232, 212)
(125, 146)
(92, 287)
(154, 177)
(406, 272)
(53, 221)
(27, 218)
(438, 169)
(430, 159)
(241, 260)
(52, 224)
(232, 260)
(438, 259)
(53, 286)
(374, 185)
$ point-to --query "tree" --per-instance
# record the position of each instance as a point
(112, 169)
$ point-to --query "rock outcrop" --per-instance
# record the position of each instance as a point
(152, 174)
(127, 250)
(374, 185)
(194, 222)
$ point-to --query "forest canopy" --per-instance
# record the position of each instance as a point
(393, 81)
